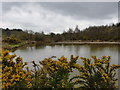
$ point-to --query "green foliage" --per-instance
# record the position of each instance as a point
(92, 33)
(12, 40)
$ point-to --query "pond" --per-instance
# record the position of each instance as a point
(38, 53)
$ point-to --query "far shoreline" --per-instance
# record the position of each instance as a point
(61, 43)
(83, 43)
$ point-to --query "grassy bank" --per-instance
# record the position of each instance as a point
(12, 47)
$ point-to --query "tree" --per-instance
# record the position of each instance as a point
(77, 30)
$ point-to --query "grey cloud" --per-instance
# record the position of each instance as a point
(82, 10)
(78, 10)
(60, 0)
(54, 16)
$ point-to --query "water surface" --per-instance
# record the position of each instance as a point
(39, 53)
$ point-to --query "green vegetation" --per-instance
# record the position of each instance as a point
(12, 47)
(93, 33)
(13, 38)
(12, 42)
(95, 74)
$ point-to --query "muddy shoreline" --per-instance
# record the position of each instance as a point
(82, 43)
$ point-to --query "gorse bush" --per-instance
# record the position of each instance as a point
(13, 74)
(12, 40)
(39, 77)
(58, 71)
(94, 73)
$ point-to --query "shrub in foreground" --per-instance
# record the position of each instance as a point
(13, 74)
(94, 73)
(59, 71)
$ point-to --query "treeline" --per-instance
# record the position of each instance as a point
(92, 33)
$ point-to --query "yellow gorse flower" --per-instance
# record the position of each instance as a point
(12, 71)
(94, 72)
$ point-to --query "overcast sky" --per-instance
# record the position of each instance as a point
(57, 16)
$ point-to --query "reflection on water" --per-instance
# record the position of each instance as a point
(40, 52)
